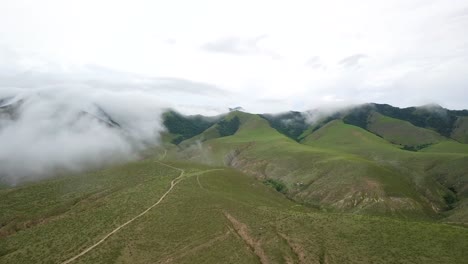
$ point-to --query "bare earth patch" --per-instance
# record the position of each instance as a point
(242, 230)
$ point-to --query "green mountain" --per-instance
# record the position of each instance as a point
(460, 129)
(433, 117)
(184, 127)
(369, 184)
(334, 165)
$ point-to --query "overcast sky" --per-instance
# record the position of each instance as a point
(266, 56)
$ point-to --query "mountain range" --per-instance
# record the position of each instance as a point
(371, 158)
(370, 183)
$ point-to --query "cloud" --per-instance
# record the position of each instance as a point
(460, 14)
(59, 120)
(186, 86)
(48, 131)
(353, 60)
(235, 45)
(315, 63)
(239, 46)
(401, 37)
(424, 59)
(98, 76)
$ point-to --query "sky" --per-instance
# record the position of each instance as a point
(265, 56)
(69, 65)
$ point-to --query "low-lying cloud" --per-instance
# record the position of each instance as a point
(50, 130)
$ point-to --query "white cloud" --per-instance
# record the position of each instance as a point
(355, 50)
(353, 60)
(315, 63)
(54, 130)
(134, 58)
(240, 46)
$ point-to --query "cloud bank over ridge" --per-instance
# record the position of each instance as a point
(146, 56)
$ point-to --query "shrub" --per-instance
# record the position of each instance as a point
(277, 185)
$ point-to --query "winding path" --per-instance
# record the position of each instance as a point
(173, 183)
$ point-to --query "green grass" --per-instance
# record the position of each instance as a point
(190, 225)
(448, 146)
(349, 138)
(338, 167)
(282, 200)
(401, 132)
(460, 131)
(75, 210)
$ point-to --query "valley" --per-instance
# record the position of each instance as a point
(241, 191)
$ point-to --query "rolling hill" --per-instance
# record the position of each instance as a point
(212, 215)
(369, 184)
(341, 167)
(460, 131)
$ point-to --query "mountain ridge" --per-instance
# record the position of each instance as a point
(408, 187)
(235, 189)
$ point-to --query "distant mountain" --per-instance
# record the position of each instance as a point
(11, 109)
(433, 117)
(419, 122)
(184, 127)
(368, 184)
(372, 159)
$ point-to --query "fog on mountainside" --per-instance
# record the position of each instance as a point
(44, 132)
(49, 131)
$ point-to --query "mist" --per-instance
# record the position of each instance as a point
(48, 131)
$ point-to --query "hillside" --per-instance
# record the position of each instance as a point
(338, 167)
(460, 131)
(401, 132)
(433, 117)
(184, 127)
(248, 188)
(212, 215)
(403, 182)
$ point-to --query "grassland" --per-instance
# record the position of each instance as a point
(341, 194)
(210, 217)
(340, 167)
(401, 132)
(447, 146)
(460, 132)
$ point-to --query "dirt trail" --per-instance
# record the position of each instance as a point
(242, 230)
(296, 248)
(199, 183)
(164, 155)
(184, 252)
(173, 183)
